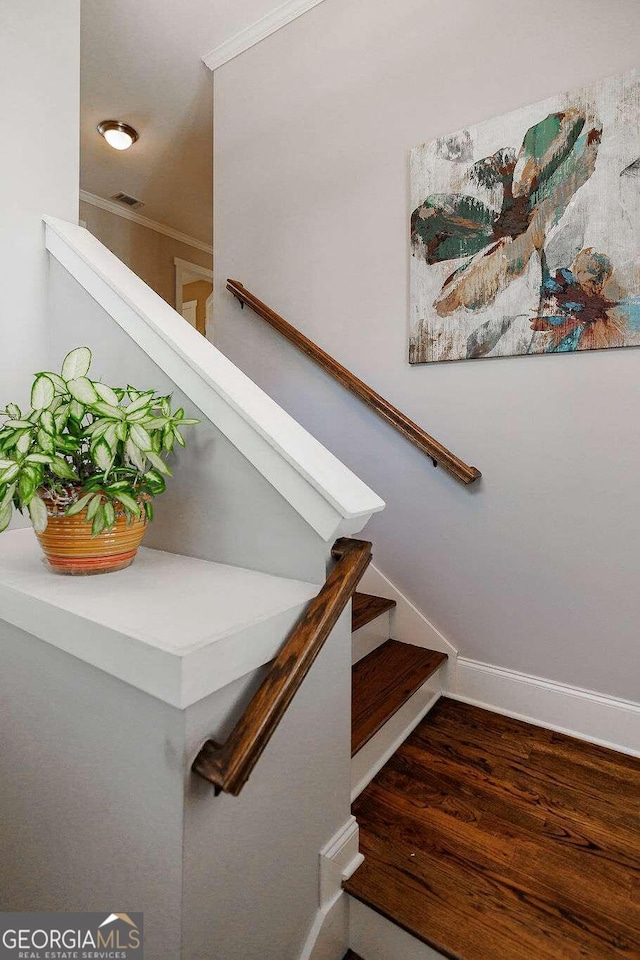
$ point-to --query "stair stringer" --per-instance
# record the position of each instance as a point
(407, 624)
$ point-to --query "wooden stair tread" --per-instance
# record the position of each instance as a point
(487, 837)
(383, 681)
(366, 607)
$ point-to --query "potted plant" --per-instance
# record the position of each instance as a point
(85, 463)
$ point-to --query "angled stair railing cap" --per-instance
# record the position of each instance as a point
(332, 499)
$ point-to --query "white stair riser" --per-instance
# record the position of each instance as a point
(371, 636)
(374, 754)
(376, 938)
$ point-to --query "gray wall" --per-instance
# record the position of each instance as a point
(251, 862)
(90, 792)
(535, 568)
(39, 105)
(217, 506)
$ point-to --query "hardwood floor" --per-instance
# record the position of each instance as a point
(384, 680)
(491, 839)
(366, 607)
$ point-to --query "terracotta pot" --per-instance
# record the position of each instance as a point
(69, 547)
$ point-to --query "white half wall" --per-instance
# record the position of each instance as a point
(534, 569)
(39, 105)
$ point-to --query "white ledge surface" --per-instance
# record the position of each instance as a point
(175, 627)
(322, 489)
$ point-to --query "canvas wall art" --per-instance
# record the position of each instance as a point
(525, 230)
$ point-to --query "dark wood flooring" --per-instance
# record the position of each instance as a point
(384, 680)
(491, 839)
(365, 607)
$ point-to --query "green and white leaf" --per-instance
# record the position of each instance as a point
(24, 442)
(139, 415)
(10, 473)
(37, 458)
(94, 506)
(58, 382)
(83, 391)
(8, 496)
(46, 441)
(38, 514)
(109, 513)
(108, 410)
(19, 424)
(99, 522)
(76, 364)
(102, 455)
(128, 502)
(61, 417)
(158, 463)
(111, 438)
(26, 488)
(140, 437)
(5, 515)
(76, 410)
(79, 505)
(42, 393)
(134, 454)
(47, 421)
(107, 394)
(144, 400)
(62, 469)
(13, 411)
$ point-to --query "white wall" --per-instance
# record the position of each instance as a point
(91, 802)
(217, 505)
(251, 862)
(39, 105)
(98, 804)
(149, 254)
(534, 568)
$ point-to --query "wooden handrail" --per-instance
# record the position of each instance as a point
(435, 450)
(228, 766)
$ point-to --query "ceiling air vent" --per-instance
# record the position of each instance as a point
(127, 200)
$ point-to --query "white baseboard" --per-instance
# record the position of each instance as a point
(373, 936)
(407, 623)
(607, 721)
(374, 754)
(339, 859)
(328, 938)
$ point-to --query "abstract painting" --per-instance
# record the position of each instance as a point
(525, 230)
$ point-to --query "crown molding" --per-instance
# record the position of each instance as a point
(255, 32)
(116, 208)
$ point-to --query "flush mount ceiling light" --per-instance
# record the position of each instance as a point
(118, 134)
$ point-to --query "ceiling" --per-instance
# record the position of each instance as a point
(141, 62)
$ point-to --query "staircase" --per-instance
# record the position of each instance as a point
(394, 684)
(484, 837)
